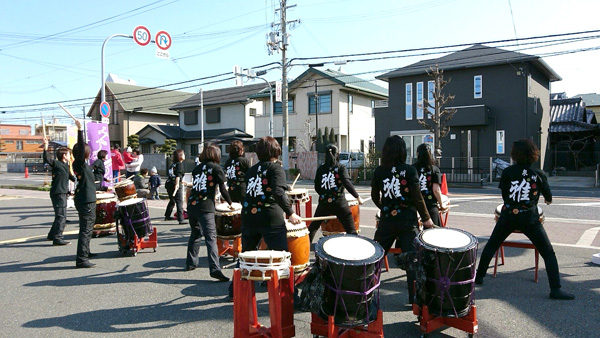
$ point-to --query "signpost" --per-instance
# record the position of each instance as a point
(105, 111)
(141, 35)
(163, 42)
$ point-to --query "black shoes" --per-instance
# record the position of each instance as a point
(190, 267)
(50, 238)
(60, 242)
(167, 218)
(557, 293)
(85, 265)
(90, 255)
(220, 276)
(183, 222)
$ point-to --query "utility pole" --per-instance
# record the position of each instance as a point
(284, 86)
(201, 120)
(316, 114)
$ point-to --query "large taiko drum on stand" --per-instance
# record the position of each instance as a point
(135, 218)
(499, 208)
(333, 226)
(125, 190)
(260, 265)
(105, 214)
(448, 257)
(350, 266)
(299, 195)
(298, 245)
(227, 221)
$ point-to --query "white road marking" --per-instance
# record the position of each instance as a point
(590, 204)
(588, 237)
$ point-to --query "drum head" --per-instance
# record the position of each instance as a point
(104, 195)
(445, 238)
(273, 255)
(224, 207)
(123, 183)
(349, 249)
(130, 201)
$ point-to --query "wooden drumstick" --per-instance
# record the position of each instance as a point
(43, 129)
(293, 184)
(320, 218)
(66, 111)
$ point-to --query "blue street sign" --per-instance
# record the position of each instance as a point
(104, 109)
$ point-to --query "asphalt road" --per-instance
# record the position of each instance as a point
(151, 295)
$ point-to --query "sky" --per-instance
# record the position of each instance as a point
(50, 51)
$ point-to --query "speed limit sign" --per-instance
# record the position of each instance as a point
(141, 35)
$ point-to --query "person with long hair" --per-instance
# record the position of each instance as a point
(59, 191)
(330, 180)
(395, 191)
(206, 177)
(174, 186)
(266, 201)
(85, 198)
(235, 170)
(430, 180)
(521, 186)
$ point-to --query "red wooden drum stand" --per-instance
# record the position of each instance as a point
(307, 208)
(320, 327)
(136, 243)
(429, 323)
(231, 247)
(281, 307)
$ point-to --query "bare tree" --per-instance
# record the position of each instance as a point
(436, 112)
(576, 144)
(308, 133)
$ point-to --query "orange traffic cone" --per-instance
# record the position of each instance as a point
(26, 172)
(444, 186)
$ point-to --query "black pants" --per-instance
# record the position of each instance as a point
(175, 200)
(341, 211)
(405, 231)
(203, 224)
(275, 237)
(59, 203)
(87, 217)
(434, 213)
(533, 229)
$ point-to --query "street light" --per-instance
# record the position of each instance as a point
(313, 65)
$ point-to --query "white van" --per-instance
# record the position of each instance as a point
(353, 159)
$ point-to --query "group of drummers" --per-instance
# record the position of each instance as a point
(408, 196)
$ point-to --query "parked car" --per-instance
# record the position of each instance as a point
(352, 159)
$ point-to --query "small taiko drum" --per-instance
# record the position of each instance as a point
(260, 265)
(105, 211)
(125, 190)
(228, 222)
(135, 218)
(333, 226)
(298, 245)
(499, 210)
(298, 195)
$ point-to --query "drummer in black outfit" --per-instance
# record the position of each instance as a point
(266, 201)
(330, 180)
(235, 170)
(99, 170)
(85, 198)
(521, 186)
(395, 191)
(174, 186)
(58, 191)
(430, 179)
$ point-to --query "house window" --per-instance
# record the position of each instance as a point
(279, 107)
(324, 103)
(430, 92)
(409, 101)
(419, 100)
(9, 142)
(252, 111)
(478, 84)
(4, 131)
(19, 145)
(412, 142)
(499, 141)
(213, 115)
(24, 132)
(194, 150)
(190, 117)
(350, 104)
(33, 142)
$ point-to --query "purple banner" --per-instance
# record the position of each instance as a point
(98, 139)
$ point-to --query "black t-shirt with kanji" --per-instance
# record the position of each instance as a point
(330, 182)
(265, 199)
(427, 177)
(175, 170)
(235, 170)
(521, 187)
(205, 179)
(395, 191)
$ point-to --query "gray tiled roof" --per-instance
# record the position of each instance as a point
(569, 115)
(475, 56)
(590, 100)
(174, 132)
(152, 100)
(220, 96)
(349, 81)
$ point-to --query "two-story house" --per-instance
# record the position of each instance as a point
(500, 96)
(17, 139)
(344, 103)
(134, 107)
